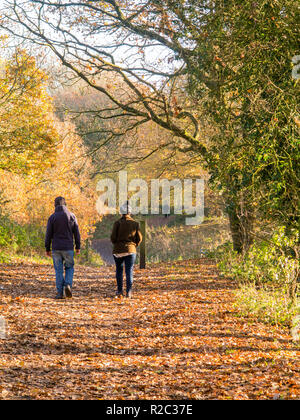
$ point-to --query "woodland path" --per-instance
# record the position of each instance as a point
(178, 338)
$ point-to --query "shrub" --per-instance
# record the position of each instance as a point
(266, 262)
(20, 239)
(267, 305)
(267, 276)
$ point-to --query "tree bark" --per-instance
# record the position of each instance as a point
(241, 221)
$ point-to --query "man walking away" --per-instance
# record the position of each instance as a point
(62, 229)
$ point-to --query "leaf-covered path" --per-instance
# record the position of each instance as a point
(178, 338)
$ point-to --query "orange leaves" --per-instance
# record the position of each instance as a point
(69, 176)
(178, 338)
(27, 132)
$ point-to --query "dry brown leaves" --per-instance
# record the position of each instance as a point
(178, 338)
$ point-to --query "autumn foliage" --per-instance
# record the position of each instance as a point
(27, 129)
(30, 199)
(40, 156)
(162, 89)
(179, 338)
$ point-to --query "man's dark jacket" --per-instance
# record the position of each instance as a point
(61, 229)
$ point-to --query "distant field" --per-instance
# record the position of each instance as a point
(168, 238)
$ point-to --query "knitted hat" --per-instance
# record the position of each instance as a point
(126, 208)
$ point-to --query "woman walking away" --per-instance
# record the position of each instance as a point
(126, 237)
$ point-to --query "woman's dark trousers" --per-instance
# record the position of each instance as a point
(128, 262)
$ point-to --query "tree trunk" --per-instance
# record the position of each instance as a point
(295, 277)
(241, 222)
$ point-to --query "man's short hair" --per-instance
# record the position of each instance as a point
(60, 201)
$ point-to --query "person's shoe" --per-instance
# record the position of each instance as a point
(68, 291)
(129, 295)
(119, 295)
(59, 297)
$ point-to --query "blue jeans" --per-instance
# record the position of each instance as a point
(63, 261)
(128, 261)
